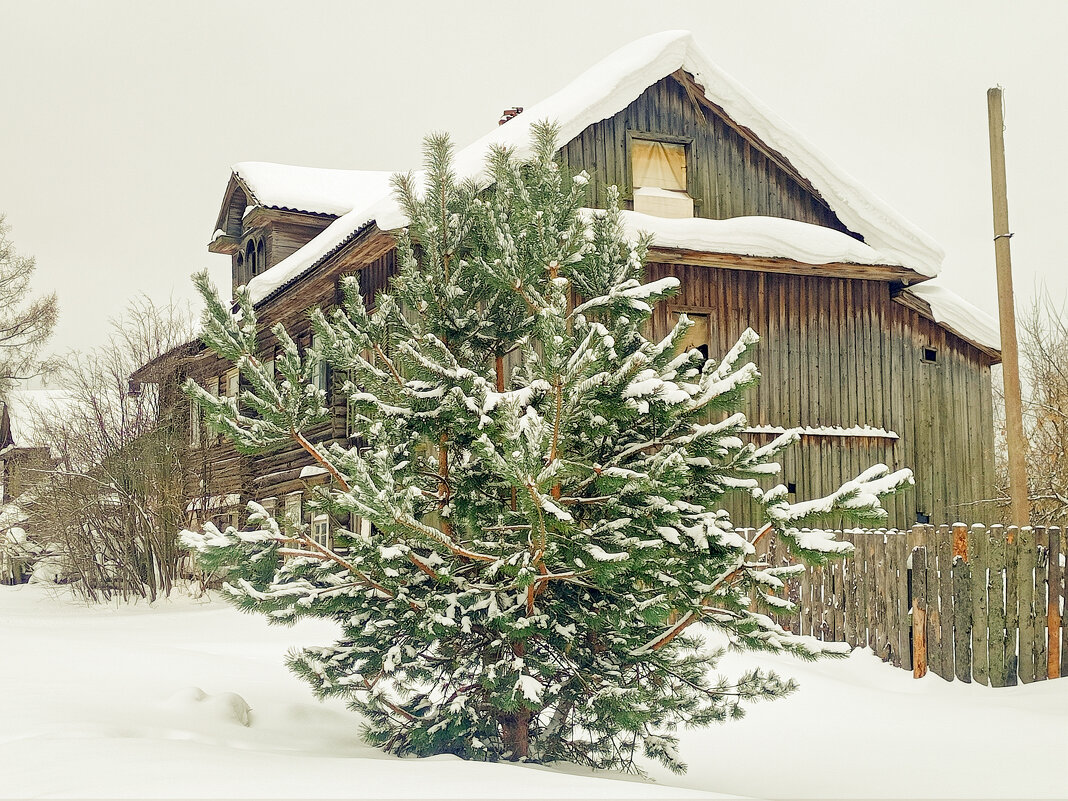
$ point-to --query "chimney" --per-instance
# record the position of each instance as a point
(508, 113)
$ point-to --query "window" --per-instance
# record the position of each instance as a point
(195, 420)
(231, 383)
(270, 505)
(293, 511)
(319, 374)
(360, 526)
(659, 177)
(929, 355)
(700, 333)
(320, 530)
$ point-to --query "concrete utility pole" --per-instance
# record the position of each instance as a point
(1010, 354)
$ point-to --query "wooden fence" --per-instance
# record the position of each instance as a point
(975, 603)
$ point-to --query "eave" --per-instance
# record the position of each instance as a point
(731, 261)
(923, 308)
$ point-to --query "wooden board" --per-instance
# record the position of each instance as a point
(978, 560)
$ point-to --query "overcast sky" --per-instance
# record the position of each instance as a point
(120, 119)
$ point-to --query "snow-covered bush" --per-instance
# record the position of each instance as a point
(543, 537)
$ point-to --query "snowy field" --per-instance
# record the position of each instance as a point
(189, 699)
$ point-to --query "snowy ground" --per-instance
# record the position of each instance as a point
(149, 702)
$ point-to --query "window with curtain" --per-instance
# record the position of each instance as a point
(658, 175)
(700, 333)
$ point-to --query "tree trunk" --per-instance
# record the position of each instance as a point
(515, 733)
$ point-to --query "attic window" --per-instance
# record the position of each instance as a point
(659, 178)
(929, 355)
(699, 335)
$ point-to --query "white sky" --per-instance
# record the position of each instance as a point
(120, 119)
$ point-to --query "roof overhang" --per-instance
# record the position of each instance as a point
(966, 324)
(734, 261)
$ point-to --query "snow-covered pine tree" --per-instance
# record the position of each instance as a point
(545, 537)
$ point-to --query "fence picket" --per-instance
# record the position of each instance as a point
(962, 618)
(945, 600)
(934, 614)
(1012, 615)
(919, 612)
(903, 626)
(849, 592)
(863, 615)
(996, 607)
(1025, 579)
(882, 629)
(978, 559)
(976, 604)
(839, 597)
(1053, 605)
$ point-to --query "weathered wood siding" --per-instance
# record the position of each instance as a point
(215, 468)
(841, 352)
(278, 473)
(729, 175)
(834, 352)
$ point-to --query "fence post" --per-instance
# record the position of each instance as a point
(919, 612)
(1053, 605)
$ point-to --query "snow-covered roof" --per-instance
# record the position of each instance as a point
(769, 237)
(958, 315)
(321, 191)
(27, 408)
(607, 88)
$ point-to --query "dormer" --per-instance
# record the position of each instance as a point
(257, 234)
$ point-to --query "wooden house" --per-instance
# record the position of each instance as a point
(874, 361)
(24, 460)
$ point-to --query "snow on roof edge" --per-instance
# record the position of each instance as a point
(607, 88)
(310, 189)
(952, 311)
(764, 237)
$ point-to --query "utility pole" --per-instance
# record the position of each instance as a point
(1010, 354)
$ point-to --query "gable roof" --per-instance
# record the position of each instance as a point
(310, 189)
(604, 90)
